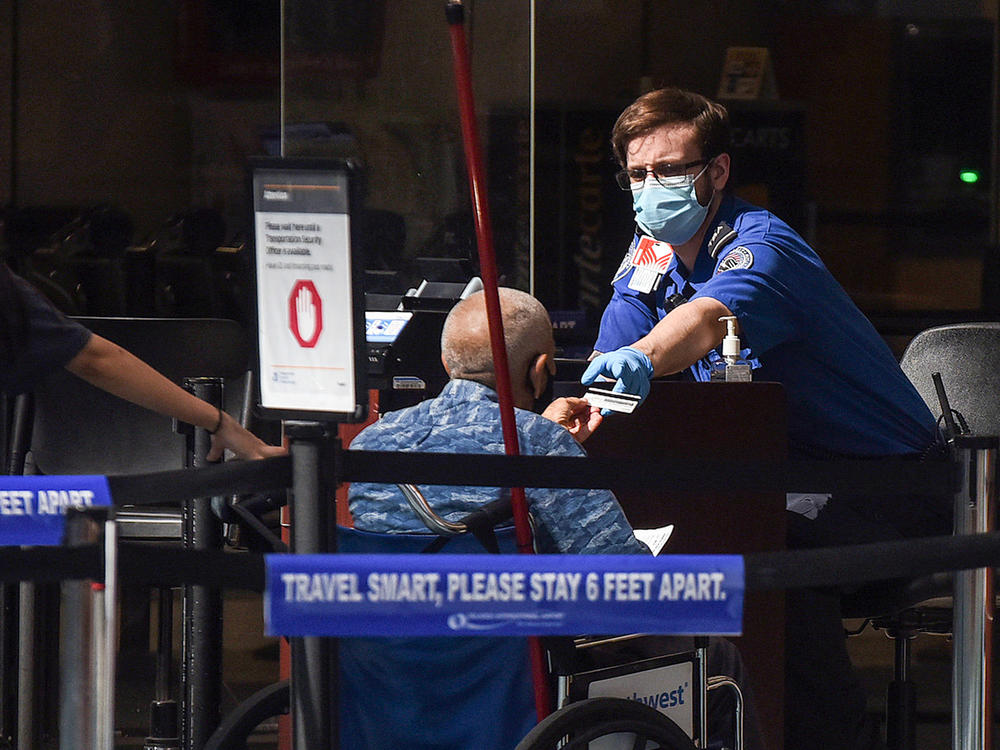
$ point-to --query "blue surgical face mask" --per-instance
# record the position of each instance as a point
(668, 214)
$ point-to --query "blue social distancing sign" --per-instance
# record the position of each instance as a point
(502, 595)
(33, 508)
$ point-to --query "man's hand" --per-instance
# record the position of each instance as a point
(576, 415)
(629, 366)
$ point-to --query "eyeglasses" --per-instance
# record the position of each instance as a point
(668, 175)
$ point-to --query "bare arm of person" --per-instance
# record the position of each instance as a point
(119, 372)
(685, 335)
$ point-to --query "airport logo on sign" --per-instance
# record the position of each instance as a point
(305, 313)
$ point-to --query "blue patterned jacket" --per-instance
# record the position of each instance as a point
(465, 418)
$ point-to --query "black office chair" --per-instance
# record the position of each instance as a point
(967, 356)
(101, 283)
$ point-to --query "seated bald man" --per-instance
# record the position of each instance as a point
(465, 418)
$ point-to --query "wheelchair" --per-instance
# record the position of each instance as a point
(477, 691)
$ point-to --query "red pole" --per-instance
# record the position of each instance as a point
(455, 14)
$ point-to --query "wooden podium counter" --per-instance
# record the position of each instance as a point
(745, 421)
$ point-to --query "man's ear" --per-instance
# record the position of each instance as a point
(541, 369)
(719, 171)
(445, 365)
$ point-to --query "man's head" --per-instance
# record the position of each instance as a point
(465, 344)
(672, 145)
(672, 106)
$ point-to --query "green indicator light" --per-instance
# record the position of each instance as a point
(969, 176)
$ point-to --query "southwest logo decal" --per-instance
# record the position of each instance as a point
(649, 252)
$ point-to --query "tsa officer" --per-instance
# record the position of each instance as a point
(700, 255)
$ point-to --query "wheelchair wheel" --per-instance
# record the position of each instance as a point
(574, 726)
(235, 730)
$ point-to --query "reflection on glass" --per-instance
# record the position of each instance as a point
(151, 113)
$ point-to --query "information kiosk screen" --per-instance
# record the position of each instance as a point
(309, 325)
(385, 327)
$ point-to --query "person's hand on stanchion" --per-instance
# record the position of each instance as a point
(630, 367)
(576, 415)
(243, 443)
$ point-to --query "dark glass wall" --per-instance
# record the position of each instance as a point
(126, 131)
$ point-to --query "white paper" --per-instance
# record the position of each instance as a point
(655, 539)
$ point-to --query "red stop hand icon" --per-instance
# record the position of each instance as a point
(305, 313)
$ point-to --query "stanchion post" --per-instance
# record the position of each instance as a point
(314, 665)
(701, 654)
(8, 659)
(201, 641)
(106, 638)
(79, 650)
(27, 689)
(17, 623)
(972, 617)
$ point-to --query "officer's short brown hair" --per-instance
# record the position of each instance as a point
(672, 106)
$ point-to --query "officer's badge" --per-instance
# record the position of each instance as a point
(738, 257)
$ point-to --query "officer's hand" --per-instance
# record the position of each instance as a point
(630, 367)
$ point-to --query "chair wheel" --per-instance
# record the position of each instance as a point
(574, 726)
(233, 732)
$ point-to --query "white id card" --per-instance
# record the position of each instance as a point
(644, 279)
(605, 399)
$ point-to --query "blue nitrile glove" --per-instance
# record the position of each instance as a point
(630, 367)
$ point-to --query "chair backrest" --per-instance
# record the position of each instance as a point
(79, 429)
(102, 282)
(968, 357)
(423, 693)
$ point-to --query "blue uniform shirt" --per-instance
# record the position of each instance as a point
(846, 393)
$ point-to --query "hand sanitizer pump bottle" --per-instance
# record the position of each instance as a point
(737, 370)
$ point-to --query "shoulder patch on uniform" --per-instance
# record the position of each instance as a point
(623, 267)
(738, 257)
